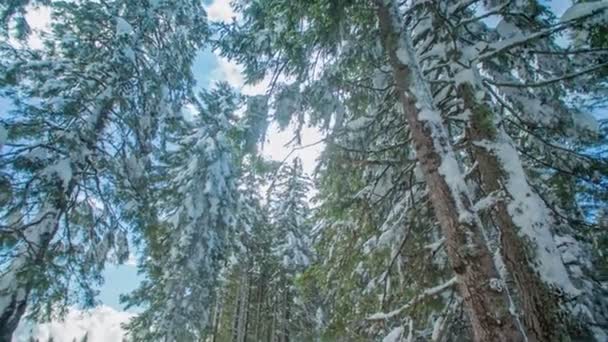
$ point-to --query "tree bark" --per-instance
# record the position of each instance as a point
(272, 332)
(247, 313)
(237, 313)
(469, 256)
(258, 311)
(216, 318)
(287, 313)
(243, 308)
(537, 305)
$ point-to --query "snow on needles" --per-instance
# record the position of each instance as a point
(584, 9)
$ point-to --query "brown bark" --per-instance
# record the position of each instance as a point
(258, 311)
(535, 301)
(469, 256)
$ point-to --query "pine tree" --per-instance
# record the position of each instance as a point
(239, 303)
(262, 297)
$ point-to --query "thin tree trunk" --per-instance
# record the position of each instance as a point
(272, 335)
(243, 307)
(469, 256)
(247, 316)
(258, 318)
(216, 318)
(235, 321)
(287, 313)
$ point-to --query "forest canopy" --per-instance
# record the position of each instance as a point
(461, 192)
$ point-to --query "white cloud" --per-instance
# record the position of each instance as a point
(39, 19)
(103, 324)
(229, 72)
(220, 10)
(275, 147)
(233, 74)
(131, 260)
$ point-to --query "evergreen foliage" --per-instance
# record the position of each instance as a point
(461, 194)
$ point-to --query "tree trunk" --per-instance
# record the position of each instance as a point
(9, 320)
(258, 311)
(469, 256)
(287, 313)
(10, 317)
(537, 305)
(272, 335)
(237, 313)
(243, 307)
(247, 315)
(216, 318)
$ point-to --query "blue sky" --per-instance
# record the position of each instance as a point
(118, 280)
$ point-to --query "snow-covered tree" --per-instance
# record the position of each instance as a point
(460, 196)
(290, 214)
(262, 296)
(86, 108)
(186, 248)
(290, 217)
(242, 311)
(486, 110)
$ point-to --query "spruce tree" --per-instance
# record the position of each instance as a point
(290, 216)
(185, 251)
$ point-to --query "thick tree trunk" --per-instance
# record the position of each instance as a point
(536, 302)
(469, 256)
